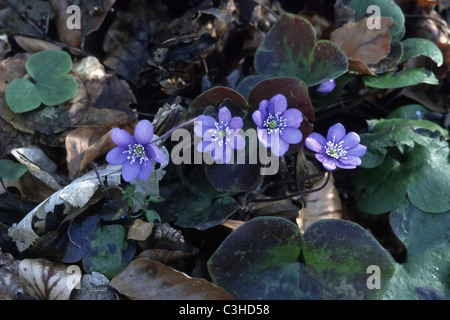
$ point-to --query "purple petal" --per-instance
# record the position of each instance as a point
(291, 135)
(237, 141)
(336, 133)
(316, 142)
(203, 124)
(143, 132)
(236, 123)
(327, 162)
(217, 152)
(155, 153)
(350, 140)
(207, 121)
(278, 103)
(117, 156)
(146, 170)
(278, 146)
(327, 86)
(263, 137)
(294, 117)
(227, 154)
(263, 105)
(224, 115)
(121, 137)
(344, 166)
(210, 147)
(130, 171)
(349, 161)
(258, 118)
(357, 151)
(203, 145)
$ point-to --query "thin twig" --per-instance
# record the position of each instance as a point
(102, 185)
(184, 124)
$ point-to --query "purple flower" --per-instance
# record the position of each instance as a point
(337, 149)
(135, 153)
(277, 125)
(327, 86)
(219, 137)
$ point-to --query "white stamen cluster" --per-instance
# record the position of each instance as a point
(335, 150)
(275, 123)
(136, 151)
(221, 133)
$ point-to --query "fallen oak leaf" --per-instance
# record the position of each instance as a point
(363, 46)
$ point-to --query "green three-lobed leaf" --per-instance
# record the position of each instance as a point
(50, 85)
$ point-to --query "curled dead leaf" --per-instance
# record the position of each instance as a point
(363, 46)
(144, 279)
(92, 15)
(47, 280)
(323, 204)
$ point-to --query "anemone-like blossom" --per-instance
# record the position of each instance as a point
(277, 125)
(338, 149)
(136, 154)
(220, 137)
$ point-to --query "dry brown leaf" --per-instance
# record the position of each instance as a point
(423, 3)
(363, 46)
(32, 45)
(144, 279)
(91, 18)
(86, 144)
(232, 224)
(140, 230)
(164, 256)
(282, 208)
(47, 280)
(323, 204)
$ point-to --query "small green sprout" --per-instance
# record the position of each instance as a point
(130, 195)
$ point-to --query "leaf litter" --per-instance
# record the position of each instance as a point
(67, 229)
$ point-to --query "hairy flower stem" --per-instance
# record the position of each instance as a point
(296, 194)
(165, 135)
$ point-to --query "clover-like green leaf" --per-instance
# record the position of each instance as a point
(10, 170)
(51, 84)
(196, 204)
(405, 157)
(404, 78)
(413, 47)
(424, 275)
(107, 251)
(22, 96)
(290, 49)
(267, 258)
(410, 111)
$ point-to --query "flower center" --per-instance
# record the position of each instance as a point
(136, 151)
(275, 123)
(221, 133)
(335, 150)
